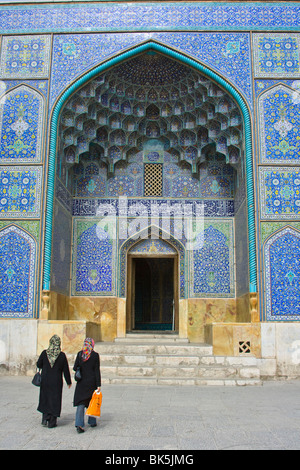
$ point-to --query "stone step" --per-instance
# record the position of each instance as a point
(163, 359)
(181, 372)
(157, 337)
(153, 348)
(179, 359)
(172, 381)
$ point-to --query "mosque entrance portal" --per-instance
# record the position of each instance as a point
(151, 142)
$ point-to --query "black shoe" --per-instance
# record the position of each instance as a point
(45, 422)
(52, 425)
(79, 429)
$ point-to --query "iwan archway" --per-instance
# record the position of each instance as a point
(159, 136)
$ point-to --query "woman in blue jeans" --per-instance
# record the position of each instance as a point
(89, 363)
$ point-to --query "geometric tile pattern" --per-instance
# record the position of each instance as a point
(279, 120)
(279, 192)
(282, 274)
(21, 125)
(17, 272)
(25, 57)
(20, 191)
(276, 55)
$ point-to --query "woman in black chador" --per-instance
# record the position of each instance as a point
(54, 364)
(89, 363)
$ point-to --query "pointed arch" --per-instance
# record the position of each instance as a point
(190, 62)
(281, 254)
(278, 142)
(17, 274)
(23, 137)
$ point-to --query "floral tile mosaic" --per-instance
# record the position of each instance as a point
(228, 53)
(260, 85)
(279, 120)
(150, 16)
(281, 275)
(152, 246)
(18, 254)
(20, 191)
(279, 192)
(21, 125)
(94, 256)
(25, 56)
(212, 261)
(276, 55)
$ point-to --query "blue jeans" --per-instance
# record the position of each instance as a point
(79, 418)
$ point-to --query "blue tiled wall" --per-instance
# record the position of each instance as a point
(35, 68)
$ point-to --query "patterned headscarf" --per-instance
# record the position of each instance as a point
(53, 350)
(87, 348)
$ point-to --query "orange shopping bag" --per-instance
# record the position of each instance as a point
(94, 408)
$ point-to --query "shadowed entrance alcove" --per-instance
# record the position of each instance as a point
(152, 286)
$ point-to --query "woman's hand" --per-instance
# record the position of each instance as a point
(98, 389)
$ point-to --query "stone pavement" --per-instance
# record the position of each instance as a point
(165, 418)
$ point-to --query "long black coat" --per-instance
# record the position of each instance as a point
(52, 383)
(91, 378)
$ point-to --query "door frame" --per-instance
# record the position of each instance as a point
(130, 288)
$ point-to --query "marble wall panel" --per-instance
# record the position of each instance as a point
(204, 312)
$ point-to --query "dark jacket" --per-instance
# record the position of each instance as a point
(91, 378)
(52, 383)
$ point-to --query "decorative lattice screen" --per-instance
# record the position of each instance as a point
(152, 179)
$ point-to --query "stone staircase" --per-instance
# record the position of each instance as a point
(165, 359)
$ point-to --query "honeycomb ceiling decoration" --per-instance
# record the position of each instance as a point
(148, 103)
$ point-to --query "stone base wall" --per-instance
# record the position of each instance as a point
(275, 346)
